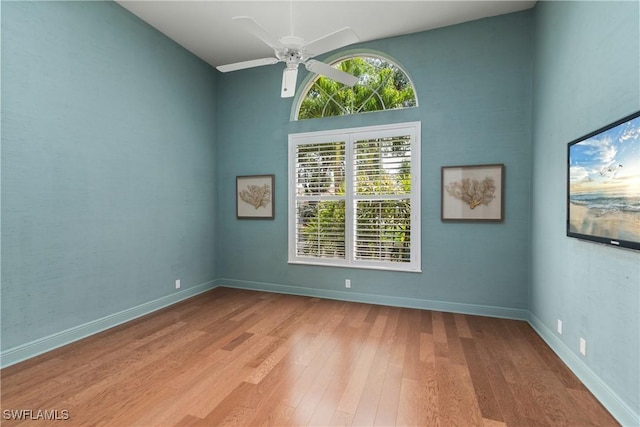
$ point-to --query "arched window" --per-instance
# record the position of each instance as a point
(382, 85)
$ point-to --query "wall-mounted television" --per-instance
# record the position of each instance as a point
(603, 186)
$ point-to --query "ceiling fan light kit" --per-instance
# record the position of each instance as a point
(293, 51)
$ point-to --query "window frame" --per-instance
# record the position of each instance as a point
(349, 136)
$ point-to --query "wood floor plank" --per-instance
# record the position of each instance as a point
(112, 392)
(237, 341)
(411, 362)
(386, 413)
(197, 388)
(300, 388)
(429, 414)
(584, 403)
(188, 421)
(456, 355)
(437, 325)
(341, 419)
(234, 406)
(321, 398)
(387, 410)
(98, 376)
(224, 331)
(492, 423)
(514, 397)
(368, 405)
(440, 343)
(551, 360)
(352, 394)
(279, 311)
(323, 336)
(510, 408)
(291, 323)
(457, 404)
(247, 358)
(257, 307)
(212, 363)
(484, 393)
(372, 314)
(426, 321)
(360, 315)
(269, 394)
(557, 405)
(462, 326)
(408, 413)
(274, 358)
(255, 403)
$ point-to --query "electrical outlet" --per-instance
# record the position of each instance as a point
(347, 283)
(177, 283)
(560, 326)
(583, 346)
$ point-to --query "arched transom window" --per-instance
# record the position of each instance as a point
(382, 85)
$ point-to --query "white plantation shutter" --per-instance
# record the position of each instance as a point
(382, 169)
(319, 193)
(316, 237)
(354, 197)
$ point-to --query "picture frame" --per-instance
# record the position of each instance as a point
(255, 196)
(472, 193)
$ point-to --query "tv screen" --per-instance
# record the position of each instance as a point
(603, 203)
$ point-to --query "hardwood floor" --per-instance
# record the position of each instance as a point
(236, 357)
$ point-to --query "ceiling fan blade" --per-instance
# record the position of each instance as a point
(289, 78)
(254, 28)
(246, 64)
(333, 73)
(335, 40)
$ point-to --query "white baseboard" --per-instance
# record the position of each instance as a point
(42, 345)
(449, 307)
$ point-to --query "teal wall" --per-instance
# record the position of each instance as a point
(108, 166)
(473, 82)
(586, 75)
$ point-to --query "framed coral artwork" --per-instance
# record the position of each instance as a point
(472, 193)
(254, 197)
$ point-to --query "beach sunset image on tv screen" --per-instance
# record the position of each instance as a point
(604, 185)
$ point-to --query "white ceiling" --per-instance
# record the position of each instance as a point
(206, 29)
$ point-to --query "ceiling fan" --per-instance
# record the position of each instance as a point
(293, 51)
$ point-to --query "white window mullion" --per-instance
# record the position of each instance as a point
(350, 208)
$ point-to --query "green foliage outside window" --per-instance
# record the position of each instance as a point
(381, 86)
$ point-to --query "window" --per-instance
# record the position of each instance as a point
(354, 197)
(382, 85)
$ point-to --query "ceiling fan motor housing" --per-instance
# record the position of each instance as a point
(291, 56)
